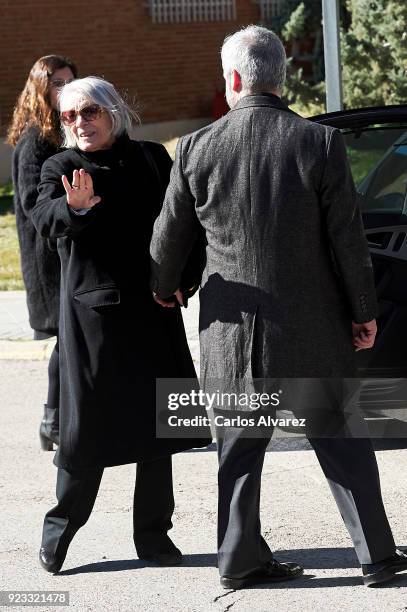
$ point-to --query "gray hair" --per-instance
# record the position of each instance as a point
(98, 91)
(258, 55)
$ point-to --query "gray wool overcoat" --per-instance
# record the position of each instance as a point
(286, 266)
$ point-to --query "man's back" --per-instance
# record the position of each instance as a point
(286, 259)
(255, 176)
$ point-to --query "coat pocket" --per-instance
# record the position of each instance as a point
(98, 297)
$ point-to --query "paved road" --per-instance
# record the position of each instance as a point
(14, 316)
(101, 572)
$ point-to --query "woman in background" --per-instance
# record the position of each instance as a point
(35, 133)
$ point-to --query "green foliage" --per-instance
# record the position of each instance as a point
(10, 271)
(373, 48)
(299, 20)
(310, 16)
(296, 24)
(6, 198)
(6, 189)
(6, 204)
(374, 53)
(362, 161)
(300, 93)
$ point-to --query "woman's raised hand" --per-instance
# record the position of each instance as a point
(80, 195)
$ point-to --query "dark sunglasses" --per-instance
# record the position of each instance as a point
(88, 113)
(59, 83)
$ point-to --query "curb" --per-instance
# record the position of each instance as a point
(29, 350)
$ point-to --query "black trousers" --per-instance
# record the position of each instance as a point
(351, 470)
(76, 493)
(53, 378)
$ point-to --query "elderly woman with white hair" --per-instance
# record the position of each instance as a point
(100, 198)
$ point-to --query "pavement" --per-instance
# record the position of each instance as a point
(101, 571)
(15, 332)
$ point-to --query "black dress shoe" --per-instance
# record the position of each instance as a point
(49, 561)
(273, 572)
(383, 571)
(165, 559)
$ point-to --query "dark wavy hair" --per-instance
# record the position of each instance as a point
(33, 107)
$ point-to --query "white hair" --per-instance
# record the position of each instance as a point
(97, 91)
(258, 55)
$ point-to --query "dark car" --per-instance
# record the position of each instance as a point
(376, 141)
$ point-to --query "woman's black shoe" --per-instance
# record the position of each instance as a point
(49, 428)
(273, 572)
(49, 561)
(165, 559)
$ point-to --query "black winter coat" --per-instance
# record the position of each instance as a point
(114, 339)
(40, 263)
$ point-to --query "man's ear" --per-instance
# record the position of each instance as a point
(235, 81)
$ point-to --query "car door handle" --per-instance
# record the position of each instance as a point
(390, 241)
(380, 240)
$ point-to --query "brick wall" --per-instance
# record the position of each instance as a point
(171, 69)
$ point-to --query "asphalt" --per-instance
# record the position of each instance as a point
(101, 572)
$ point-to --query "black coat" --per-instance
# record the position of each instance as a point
(40, 263)
(287, 262)
(114, 339)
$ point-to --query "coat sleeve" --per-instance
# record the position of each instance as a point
(175, 232)
(345, 230)
(30, 160)
(51, 215)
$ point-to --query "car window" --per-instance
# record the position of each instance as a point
(378, 159)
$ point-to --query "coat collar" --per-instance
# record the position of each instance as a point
(261, 99)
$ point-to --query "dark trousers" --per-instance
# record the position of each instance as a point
(352, 473)
(76, 493)
(53, 378)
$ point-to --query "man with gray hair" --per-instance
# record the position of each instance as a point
(287, 291)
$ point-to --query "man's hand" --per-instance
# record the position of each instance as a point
(80, 196)
(177, 298)
(364, 334)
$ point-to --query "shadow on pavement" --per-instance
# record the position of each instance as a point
(308, 581)
(320, 558)
(199, 560)
(309, 558)
(295, 443)
(301, 443)
(105, 566)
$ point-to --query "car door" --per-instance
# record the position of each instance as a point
(376, 143)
